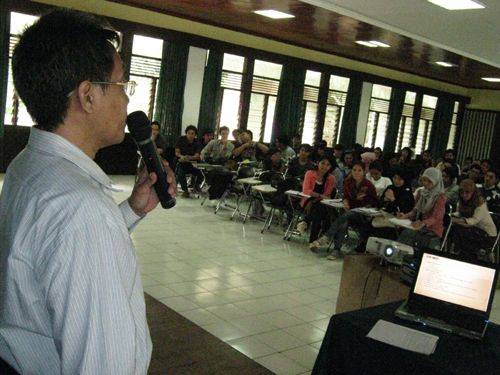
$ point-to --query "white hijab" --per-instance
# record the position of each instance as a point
(428, 196)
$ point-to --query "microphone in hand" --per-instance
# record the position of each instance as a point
(140, 129)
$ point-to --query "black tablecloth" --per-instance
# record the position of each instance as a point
(347, 350)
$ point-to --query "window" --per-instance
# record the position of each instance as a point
(406, 122)
(378, 116)
(335, 108)
(15, 111)
(232, 76)
(425, 123)
(453, 128)
(310, 106)
(145, 70)
(265, 84)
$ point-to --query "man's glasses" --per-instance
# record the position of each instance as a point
(128, 87)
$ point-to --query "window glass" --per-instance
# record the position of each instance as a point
(15, 110)
(233, 63)
(313, 78)
(267, 69)
(378, 116)
(146, 46)
(338, 83)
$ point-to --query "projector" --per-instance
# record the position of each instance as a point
(391, 251)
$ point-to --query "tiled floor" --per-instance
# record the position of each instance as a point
(268, 298)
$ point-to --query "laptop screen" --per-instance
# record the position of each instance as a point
(450, 280)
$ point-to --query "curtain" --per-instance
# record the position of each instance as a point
(170, 98)
(4, 64)
(324, 87)
(211, 91)
(288, 110)
(441, 124)
(395, 112)
(347, 136)
(4, 74)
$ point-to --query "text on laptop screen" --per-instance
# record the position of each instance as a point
(454, 281)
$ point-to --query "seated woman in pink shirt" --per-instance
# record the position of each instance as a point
(319, 184)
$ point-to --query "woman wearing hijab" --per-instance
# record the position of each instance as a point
(474, 228)
(397, 197)
(427, 214)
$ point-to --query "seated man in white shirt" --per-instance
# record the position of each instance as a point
(71, 295)
(375, 177)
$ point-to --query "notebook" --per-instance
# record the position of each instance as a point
(451, 295)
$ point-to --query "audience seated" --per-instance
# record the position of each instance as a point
(273, 162)
(206, 136)
(160, 141)
(347, 163)
(375, 177)
(474, 228)
(319, 149)
(283, 144)
(378, 152)
(358, 192)
(338, 151)
(296, 143)
(319, 184)
(187, 149)
(429, 211)
(247, 149)
(406, 155)
(466, 166)
(298, 166)
(475, 173)
(397, 197)
(490, 191)
(450, 185)
(218, 151)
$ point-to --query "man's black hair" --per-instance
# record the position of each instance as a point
(57, 53)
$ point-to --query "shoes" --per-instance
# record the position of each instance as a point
(334, 255)
(322, 241)
(197, 188)
(185, 194)
(302, 227)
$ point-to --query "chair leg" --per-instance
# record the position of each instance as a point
(268, 221)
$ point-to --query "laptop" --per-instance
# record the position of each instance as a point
(451, 295)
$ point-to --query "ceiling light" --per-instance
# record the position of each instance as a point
(273, 14)
(445, 64)
(458, 4)
(491, 79)
(379, 44)
(366, 44)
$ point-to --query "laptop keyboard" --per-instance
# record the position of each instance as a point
(453, 318)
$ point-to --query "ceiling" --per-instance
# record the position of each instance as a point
(418, 32)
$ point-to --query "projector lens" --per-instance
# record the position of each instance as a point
(388, 251)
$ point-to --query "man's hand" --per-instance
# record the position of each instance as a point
(144, 198)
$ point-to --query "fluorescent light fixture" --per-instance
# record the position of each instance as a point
(366, 44)
(379, 44)
(274, 14)
(491, 79)
(458, 4)
(445, 64)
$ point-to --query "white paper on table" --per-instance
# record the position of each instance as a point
(403, 337)
(402, 223)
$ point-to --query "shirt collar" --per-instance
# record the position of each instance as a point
(54, 144)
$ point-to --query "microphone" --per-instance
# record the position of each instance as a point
(140, 129)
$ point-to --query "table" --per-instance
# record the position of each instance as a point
(346, 350)
(261, 190)
(247, 184)
(294, 195)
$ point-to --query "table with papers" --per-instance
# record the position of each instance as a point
(347, 350)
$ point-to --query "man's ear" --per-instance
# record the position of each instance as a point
(86, 96)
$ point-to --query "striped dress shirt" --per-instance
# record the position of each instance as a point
(71, 296)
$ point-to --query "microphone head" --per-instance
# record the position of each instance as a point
(139, 126)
